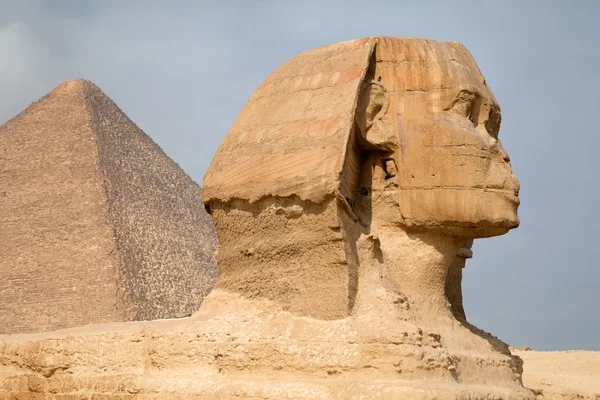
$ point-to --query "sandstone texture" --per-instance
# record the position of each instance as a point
(346, 198)
(98, 224)
(176, 359)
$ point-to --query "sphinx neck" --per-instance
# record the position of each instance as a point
(414, 266)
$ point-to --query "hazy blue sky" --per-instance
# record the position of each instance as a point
(182, 70)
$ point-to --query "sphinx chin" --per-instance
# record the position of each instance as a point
(487, 228)
(504, 219)
(474, 226)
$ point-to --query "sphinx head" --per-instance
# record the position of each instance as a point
(428, 114)
(344, 140)
(350, 188)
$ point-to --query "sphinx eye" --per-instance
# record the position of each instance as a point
(466, 105)
(492, 124)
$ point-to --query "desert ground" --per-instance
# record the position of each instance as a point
(572, 374)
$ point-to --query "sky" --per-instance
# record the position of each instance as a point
(182, 71)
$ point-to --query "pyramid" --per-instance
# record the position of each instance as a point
(98, 224)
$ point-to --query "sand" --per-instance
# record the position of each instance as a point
(573, 374)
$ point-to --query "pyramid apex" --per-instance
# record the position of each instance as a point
(68, 88)
(74, 84)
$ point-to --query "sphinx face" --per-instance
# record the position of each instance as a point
(441, 122)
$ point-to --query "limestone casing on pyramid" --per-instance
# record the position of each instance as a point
(98, 224)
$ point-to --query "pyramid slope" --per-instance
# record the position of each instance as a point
(156, 209)
(53, 218)
(98, 224)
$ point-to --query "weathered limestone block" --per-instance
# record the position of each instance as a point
(98, 224)
(346, 197)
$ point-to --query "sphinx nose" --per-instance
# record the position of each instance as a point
(513, 184)
(500, 176)
(501, 154)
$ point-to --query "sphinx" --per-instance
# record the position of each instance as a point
(389, 140)
(346, 197)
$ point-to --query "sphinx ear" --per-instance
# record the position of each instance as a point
(374, 130)
(372, 104)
